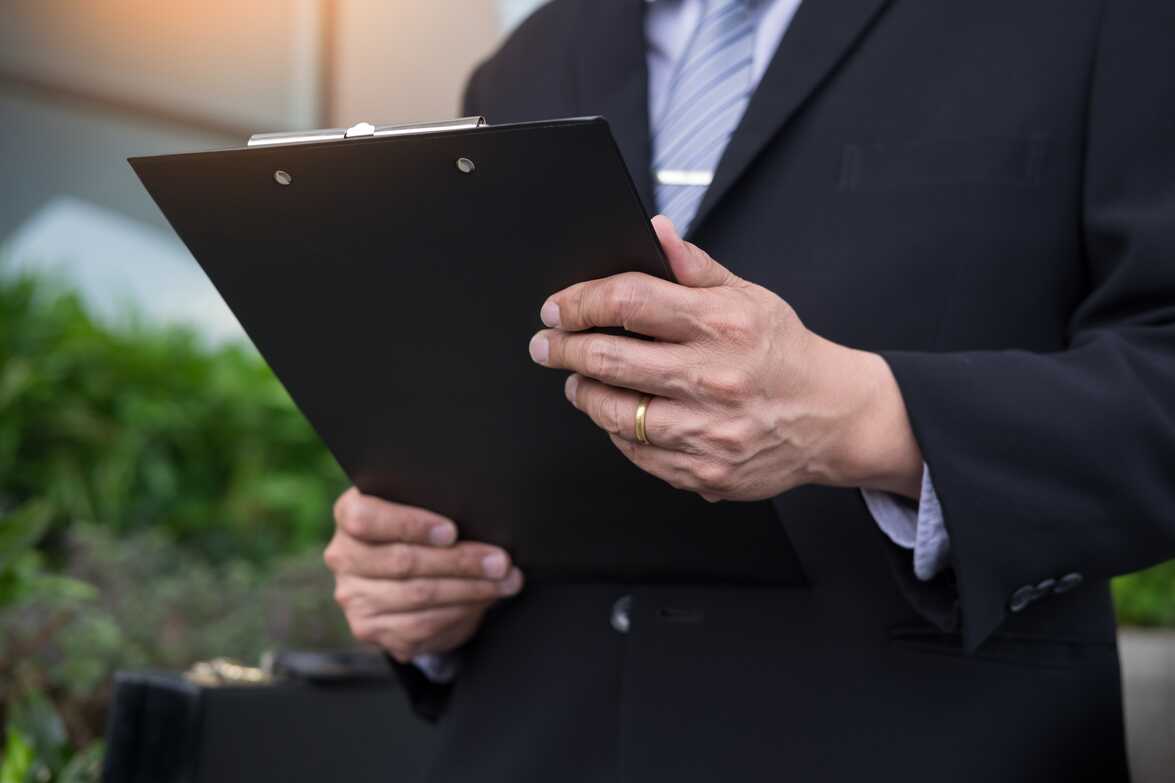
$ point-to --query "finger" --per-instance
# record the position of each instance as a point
(431, 631)
(371, 519)
(408, 634)
(614, 411)
(361, 596)
(691, 266)
(711, 479)
(641, 365)
(454, 633)
(637, 302)
(465, 560)
(666, 464)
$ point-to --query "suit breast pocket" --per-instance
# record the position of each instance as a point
(1010, 161)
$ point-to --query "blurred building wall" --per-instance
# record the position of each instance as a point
(216, 63)
(405, 60)
(84, 84)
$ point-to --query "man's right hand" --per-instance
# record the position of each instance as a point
(403, 580)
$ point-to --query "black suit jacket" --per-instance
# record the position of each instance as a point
(984, 192)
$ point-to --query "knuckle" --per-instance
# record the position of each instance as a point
(574, 308)
(355, 519)
(607, 413)
(423, 592)
(728, 440)
(731, 325)
(713, 475)
(333, 557)
(482, 590)
(624, 298)
(787, 313)
(726, 384)
(614, 295)
(362, 629)
(357, 525)
(423, 628)
(682, 382)
(598, 357)
(680, 477)
(403, 652)
(468, 562)
(401, 560)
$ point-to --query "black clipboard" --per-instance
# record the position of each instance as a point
(392, 279)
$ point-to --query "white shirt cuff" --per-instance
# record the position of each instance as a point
(920, 528)
(440, 668)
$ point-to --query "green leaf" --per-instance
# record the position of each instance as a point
(1147, 597)
(17, 764)
(26, 581)
(20, 530)
(84, 767)
(40, 725)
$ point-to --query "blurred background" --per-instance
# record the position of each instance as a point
(84, 85)
(162, 502)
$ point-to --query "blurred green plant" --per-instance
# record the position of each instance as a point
(36, 747)
(1147, 598)
(61, 645)
(161, 501)
(149, 427)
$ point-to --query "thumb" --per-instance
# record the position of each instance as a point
(691, 266)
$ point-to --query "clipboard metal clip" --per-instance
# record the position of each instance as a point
(363, 130)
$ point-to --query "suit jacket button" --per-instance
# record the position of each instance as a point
(1046, 586)
(1022, 598)
(621, 611)
(1068, 582)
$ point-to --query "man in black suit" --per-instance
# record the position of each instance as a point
(930, 270)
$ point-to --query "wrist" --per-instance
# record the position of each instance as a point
(873, 444)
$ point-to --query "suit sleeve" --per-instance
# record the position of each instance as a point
(1063, 463)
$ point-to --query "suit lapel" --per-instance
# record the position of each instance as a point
(819, 37)
(612, 80)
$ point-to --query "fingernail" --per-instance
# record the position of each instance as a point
(511, 584)
(494, 565)
(540, 349)
(442, 535)
(570, 387)
(550, 314)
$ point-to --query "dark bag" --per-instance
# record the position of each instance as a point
(313, 717)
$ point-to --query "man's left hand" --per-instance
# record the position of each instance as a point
(746, 401)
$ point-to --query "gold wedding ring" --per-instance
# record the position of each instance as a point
(642, 409)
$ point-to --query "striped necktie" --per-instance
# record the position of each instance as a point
(707, 97)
